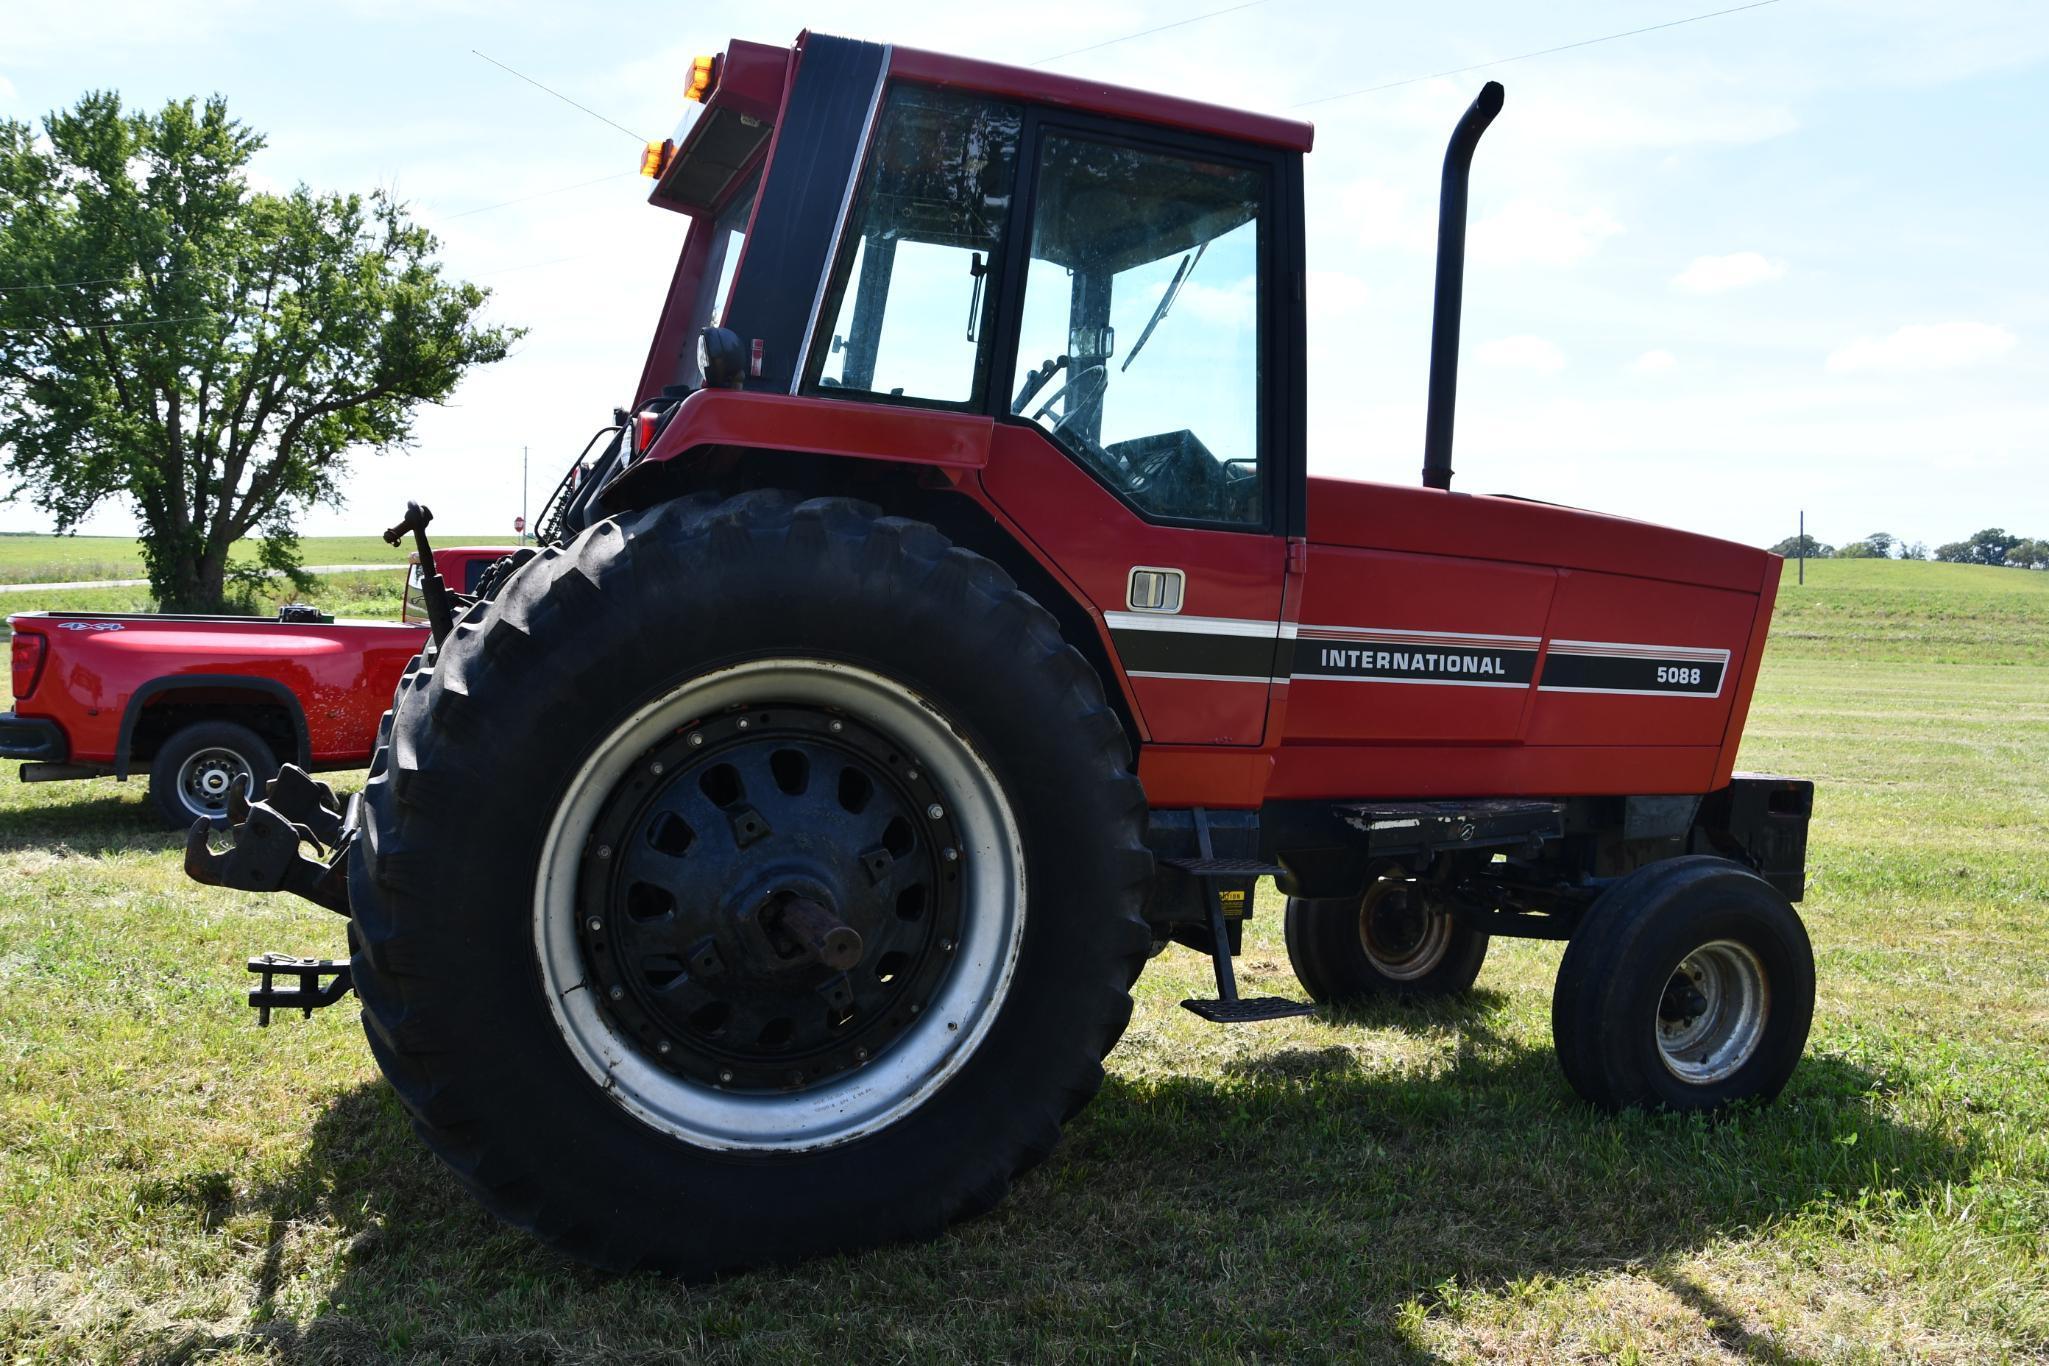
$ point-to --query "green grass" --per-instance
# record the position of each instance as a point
(28, 558)
(374, 595)
(1399, 1184)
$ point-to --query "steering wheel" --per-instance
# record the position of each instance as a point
(1098, 374)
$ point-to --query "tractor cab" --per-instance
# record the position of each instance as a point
(1119, 269)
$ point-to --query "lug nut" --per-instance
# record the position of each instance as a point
(594, 924)
(617, 993)
(744, 723)
(946, 946)
(696, 739)
(949, 854)
(836, 727)
(912, 776)
(604, 851)
(860, 1055)
(655, 767)
(935, 811)
(664, 1046)
(725, 1076)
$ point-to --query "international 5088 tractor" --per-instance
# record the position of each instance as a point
(763, 867)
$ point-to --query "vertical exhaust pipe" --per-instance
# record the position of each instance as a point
(1451, 278)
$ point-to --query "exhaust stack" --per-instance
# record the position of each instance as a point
(1451, 275)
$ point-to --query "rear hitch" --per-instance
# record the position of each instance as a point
(308, 995)
(266, 835)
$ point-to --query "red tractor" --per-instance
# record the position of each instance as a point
(951, 622)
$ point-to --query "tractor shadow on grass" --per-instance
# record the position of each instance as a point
(1300, 1202)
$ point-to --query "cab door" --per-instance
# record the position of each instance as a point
(1148, 434)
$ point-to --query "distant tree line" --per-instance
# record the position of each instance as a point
(1994, 546)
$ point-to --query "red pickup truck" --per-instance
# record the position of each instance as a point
(203, 701)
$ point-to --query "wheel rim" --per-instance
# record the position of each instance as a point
(208, 777)
(1402, 935)
(693, 851)
(1712, 1014)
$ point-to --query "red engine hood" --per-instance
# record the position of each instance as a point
(1484, 527)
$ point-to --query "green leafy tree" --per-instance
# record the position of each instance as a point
(209, 353)
(2029, 555)
(1877, 546)
(1814, 550)
(1989, 546)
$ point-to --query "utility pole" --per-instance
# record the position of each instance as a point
(1801, 545)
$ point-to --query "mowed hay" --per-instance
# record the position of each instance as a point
(1401, 1183)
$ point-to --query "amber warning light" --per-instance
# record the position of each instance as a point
(704, 73)
(655, 159)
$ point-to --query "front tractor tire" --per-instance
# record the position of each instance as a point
(1398, 939)
(1687, 985)
(750, 880)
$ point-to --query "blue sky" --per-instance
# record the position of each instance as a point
(1785, 258)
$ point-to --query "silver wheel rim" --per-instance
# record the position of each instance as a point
(1401, 957)
(1712, 1015)
(917, 1064)
(208, 777)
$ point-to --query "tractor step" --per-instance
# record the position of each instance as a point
(308, 995)
(1247, 1011)
(1224, 867)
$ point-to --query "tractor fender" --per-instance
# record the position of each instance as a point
(859, 431)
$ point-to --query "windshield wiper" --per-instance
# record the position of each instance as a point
(1181, 274)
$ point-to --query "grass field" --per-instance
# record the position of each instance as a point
(26, 558)
(1402, 1184)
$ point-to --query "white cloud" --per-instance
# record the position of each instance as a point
(1336, 294)
(1717, 274)
(1527, 232)
(6, 91)
(1540, 354)
(1925, 346)
(1651, 362)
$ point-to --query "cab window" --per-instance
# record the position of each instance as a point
(905, 316)
(1140, 346)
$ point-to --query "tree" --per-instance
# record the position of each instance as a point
(2029, 555)
(1987, 547)
(209, 353)
(1814, 550)
(1877, 546)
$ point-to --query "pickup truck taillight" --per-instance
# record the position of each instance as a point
(28, 661)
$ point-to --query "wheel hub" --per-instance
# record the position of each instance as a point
(770, 898)
(1403, 935)
(209, 776)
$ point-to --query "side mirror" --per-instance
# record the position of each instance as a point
(721, 358)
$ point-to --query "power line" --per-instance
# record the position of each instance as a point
(1541, 52)
(537, 194)
(1148, 32)
(562, 97)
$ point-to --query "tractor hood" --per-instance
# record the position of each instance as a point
(1487, 527)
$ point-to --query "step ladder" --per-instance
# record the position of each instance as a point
(1229, 1007)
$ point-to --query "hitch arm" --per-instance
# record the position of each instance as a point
(433, 592)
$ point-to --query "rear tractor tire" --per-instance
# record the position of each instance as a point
(198, 767)
(1397, 940)
(750, 880)
(1688, 985)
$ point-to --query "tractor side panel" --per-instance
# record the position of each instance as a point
(1635, 662)
(1406, 648)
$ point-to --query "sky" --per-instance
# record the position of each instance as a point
(1788, 258)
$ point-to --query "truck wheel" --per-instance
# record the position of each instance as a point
(751, 880)
(197, 767)
(1393, 941)
(1689, 985)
